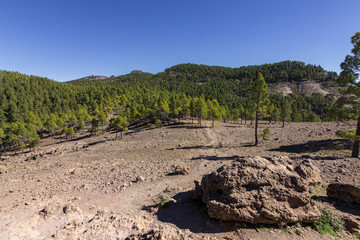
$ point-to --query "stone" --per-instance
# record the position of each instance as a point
(306, 169)
(140, 179)
(258, 191)
(182, 169)
(344, 192)
(3, 169)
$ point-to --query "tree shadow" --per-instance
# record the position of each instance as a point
(314, 146)
(216, 158)
(194, 147)
(192, 215)
(186, 127)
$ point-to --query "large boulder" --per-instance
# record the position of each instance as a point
(258, 191)
(344, 192)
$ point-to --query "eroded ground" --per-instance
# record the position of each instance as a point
(95, 187)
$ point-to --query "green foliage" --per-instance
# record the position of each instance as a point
(158, 122)
(350, 135)
(329, 223)
(21, 146)
(70, 132)
(351, 94)
(260, 98)
(30, 104)
(120, 124)
(265, 133)
(201, 109)
(34, 141)
(94, 126)
(164, 200)
(317, 190)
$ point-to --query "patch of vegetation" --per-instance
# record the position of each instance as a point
(356, 234)
(265, 229)
(165, 200)
(317, 190)
(329, 223)
(265, 133)
(164, 204)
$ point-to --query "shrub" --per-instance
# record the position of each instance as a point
(158, 122)
(265, 133)
(329, 223)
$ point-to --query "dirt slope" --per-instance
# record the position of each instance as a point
(94, 187)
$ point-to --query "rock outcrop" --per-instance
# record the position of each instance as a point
(344, 192)
(258, 191)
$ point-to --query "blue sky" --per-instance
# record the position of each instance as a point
(65, 40)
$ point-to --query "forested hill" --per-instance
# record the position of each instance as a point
(31, 105)
(287, 71)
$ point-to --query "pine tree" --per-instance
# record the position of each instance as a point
(71, 132)
(103, 120)
(261, 100)
(286, 111)
(351, 95)
(192, 108)
(201, 109)
(120, 124)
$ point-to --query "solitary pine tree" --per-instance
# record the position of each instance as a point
(285, 112)
(351, 95)
(260, 98)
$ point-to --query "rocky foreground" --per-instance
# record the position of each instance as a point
(140, 187)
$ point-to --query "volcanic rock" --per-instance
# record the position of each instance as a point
(258, 191)
(306, 169)
(344, 192)
(182, 169)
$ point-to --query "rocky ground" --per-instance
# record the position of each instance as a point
(95, 187)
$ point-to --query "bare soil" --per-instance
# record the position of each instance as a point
(98, 186)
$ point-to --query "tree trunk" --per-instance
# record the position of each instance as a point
(121, 135)
(355, 150)
(256, 127)
(283, 122)
(213, 123)
(116, 135)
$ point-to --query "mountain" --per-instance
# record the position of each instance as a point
(134, 73)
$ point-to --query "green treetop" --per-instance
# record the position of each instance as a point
(260, 98)
(351, 95)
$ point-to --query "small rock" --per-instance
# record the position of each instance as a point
(182, 170)
(140, 179)
(298, 232)
(3, 169)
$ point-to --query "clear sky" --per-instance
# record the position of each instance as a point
(69, 39)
